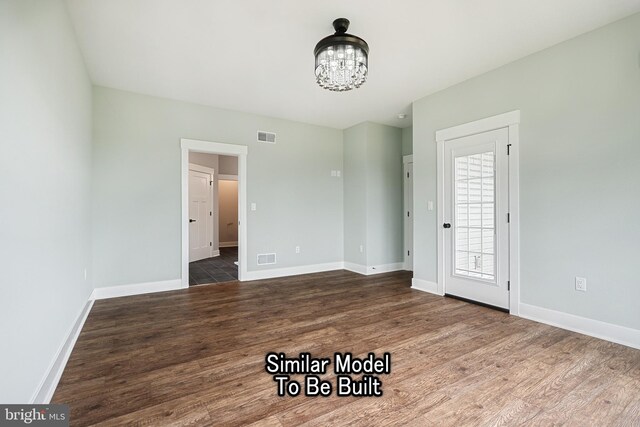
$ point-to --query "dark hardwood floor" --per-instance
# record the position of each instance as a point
(196, 357)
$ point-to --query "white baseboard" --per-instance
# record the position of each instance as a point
(215, 253)
(385, 268)
(227, 244)
(373, 269)
(356, 268)
(424, 286)
(136, 289)
(46, 388)
(594, 328)
(292, 271)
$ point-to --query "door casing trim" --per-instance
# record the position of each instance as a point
(510, 120)
(406, 160)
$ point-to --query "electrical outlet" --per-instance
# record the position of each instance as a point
(85, 274)
(361, 248)
(254, 207)
(581, 284)
(297, 249)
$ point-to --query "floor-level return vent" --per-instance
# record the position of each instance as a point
(265, 259)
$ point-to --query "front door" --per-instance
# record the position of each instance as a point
(475, 217)
(200, 215)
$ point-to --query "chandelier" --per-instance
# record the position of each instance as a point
(341, 59)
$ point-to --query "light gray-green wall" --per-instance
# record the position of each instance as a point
(355, 194)
(579, 174)
(373, 194)
(45, 135)
(136, 186)
(407, 141)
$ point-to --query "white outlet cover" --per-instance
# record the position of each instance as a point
(581, 284)
(253, 206)
(430, 205)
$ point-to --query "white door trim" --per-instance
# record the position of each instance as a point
(239, 151)
(406, 196)
(200, 168)
(510, 120)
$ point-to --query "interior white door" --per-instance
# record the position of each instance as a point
(200, 215)
(476, 234)
(408, 216)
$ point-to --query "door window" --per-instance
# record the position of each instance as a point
(474, 226)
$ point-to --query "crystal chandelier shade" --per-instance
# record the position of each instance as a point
(341, 59)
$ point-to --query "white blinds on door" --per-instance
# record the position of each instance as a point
(474, 243)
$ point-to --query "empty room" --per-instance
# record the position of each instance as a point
(285, 213)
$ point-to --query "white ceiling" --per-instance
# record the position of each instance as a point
(257, 55)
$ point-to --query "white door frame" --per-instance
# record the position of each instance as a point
(405, 161)
(212, 172)
(510, 120)
(239, 151)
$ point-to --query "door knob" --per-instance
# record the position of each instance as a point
(192, 220)
(446, 225)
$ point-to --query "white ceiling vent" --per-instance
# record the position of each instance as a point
(268, 137)
(266, 259)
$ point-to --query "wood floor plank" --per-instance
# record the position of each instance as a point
(196, 357)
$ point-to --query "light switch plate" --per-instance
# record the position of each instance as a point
(253, 206)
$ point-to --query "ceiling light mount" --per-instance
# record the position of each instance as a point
(341, 59)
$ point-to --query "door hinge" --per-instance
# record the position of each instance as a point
(210, 243)
(407, 174)
(508, 218)
(408, 253)
(407, 214)
(508, 149)
(508, 285)
(210, 213)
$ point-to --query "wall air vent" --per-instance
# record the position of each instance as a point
(266, 259)
(266, 137)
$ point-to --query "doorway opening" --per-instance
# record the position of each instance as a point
(213, 218)
(214, 232)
